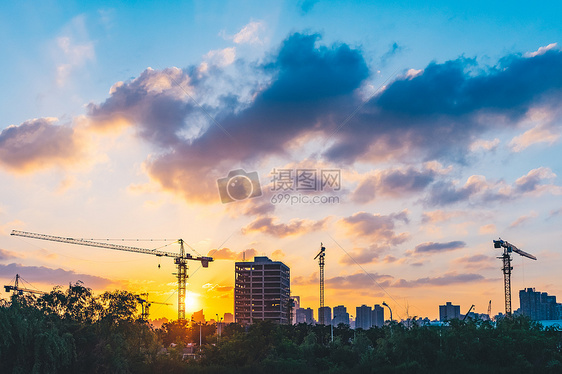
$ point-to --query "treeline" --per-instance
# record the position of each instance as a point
(74, 331)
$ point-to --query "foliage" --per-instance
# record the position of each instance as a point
(73, 331)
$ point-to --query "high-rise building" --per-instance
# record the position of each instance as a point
(326, 318)
(363, 317)
(341, 315)
(261, 291)
(228, 318)
(378, 316)
(449, 311)
(198, 316)
(538, 306)
(305, 316)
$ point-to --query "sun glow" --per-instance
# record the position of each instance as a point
(192, 303)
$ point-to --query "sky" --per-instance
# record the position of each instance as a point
(404, 136)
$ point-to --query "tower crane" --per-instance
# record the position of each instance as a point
(320, 256)
(179, 259)
(145, 305)
(19, 290)
(507, 268)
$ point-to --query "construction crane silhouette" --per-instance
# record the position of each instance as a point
(179, 259)
(145, 305)
(507, 268)
(320, 256)
(467, 313)
(20, 290)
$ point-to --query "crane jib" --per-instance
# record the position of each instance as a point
(108, 246)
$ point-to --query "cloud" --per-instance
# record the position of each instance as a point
(75, 55)
(542, 50)
(446, 279)
(478, 261)
(7, 255)
(394, 49)
(37, 144)
(369, 280)
(220, 58)
(295, 226)
(306, 5)
(487, 229)
(487, 145)
(439, 113)
(228, 254)
(555, 212)
(72, 50)
(446, 193)
(440, 216)
(309, 83)
(306, 90)
(531, 182)
(250, 34)
(431, 247)
(217, 288)
(347, 282)
(278, 255)
(523, 219)
(538, 134)
(478, 190)
(397, 182)
(376, 227)
(58, 276)
(363, 255)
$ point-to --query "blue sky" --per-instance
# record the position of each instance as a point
(118, 118)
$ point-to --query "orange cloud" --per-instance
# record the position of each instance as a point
(267, 225)
(440, 216)
(228, 254)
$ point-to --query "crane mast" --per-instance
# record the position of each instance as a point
(320, 256)
(507, 268)
(179, 259)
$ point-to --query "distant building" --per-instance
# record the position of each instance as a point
(228, 318)
(538, 306)
(261, 291)
(305, 316)
(378, 316)
(363, 317)
(449, 311)
(198, 316)
(296, 305)
(327, 316)
(341, 315)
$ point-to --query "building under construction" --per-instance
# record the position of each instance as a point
(262, 291)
